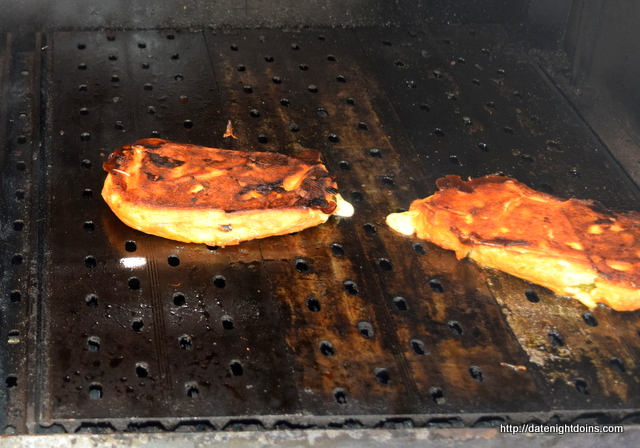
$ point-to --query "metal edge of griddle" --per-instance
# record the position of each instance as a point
(41, 214)
(300, 422)
(4, 75)
(21, 79)
(557, 88)
(411, 437)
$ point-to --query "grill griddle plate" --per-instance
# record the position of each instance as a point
(344, 325)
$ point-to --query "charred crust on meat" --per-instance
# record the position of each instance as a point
(318, 202)
(500, 242)
(153, 177)
(599, 208)
(267, 188)
(115, 159)
(263, 189)
(164, 162)
(474, 238)
(331, 190)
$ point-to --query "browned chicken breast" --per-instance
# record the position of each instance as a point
(215, 196)
(573, 247)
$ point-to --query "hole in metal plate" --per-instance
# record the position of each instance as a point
(337, 250)
(351, 287)
(91, 300)
(185, 342)
(236, 368)
(134, 283)
(340, 395)
(369, 228)
(142, 369)
(418, 347)
(455, 327)
(437, 395)
(219, 281)
(191, 389)
(555, 338)
(382, 375)
(419, 248)
(436, 286)
(90, 261)
(617, 364)
(93, 343)
(95, 391)
(227, 322)
(326, 348)
(137, 324)
(590, 319)
(400, 303)
(179, 299)
(313, 304)
(365, 329)
(375, 152)
(531, 296)
(301, 265)
(581, 386)
(476, 373)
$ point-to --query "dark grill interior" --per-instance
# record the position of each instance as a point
(343, 325)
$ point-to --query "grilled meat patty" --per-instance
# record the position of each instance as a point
(573, 247)
(215, 196)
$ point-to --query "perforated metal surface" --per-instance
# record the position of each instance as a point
(347, 323)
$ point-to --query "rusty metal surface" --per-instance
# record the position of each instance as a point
(347, 324)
